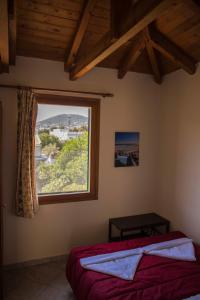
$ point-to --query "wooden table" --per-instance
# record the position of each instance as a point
(145, 225)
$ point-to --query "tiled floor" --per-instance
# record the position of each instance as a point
(41, 282)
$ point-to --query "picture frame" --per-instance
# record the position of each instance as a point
(126, 149)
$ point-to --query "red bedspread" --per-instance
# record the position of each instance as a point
(157, 278)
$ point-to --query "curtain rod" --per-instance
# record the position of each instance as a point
(9, 86)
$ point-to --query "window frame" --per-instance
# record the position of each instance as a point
(94, 105)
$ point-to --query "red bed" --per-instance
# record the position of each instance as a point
(157, 278)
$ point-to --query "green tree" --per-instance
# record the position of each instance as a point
(50, 149)
(72, 148)
(47, 139)
(43, 131)
(69, 172)
(83, 128)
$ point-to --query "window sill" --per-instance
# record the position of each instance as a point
(54, 199)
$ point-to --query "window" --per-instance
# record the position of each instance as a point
(67, 148)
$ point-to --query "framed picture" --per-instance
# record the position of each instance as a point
(127, 149)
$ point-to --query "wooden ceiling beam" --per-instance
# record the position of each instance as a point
(152, 57)
(152, 9)
(4, 36)
(154, 64)
(98, 54)
(12, 30)
(130, 58)
(80, 32)
(143, 14)
(172, 51)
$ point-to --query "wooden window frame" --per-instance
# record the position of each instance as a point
(94, 104)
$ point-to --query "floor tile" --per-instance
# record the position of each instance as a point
(52, 294)
(41, 282)
(26, 290)
(60, 281)
(43, 273)
(12, 279)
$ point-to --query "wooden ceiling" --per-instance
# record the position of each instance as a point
(149, 36)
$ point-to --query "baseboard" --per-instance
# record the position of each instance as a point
(35, 262)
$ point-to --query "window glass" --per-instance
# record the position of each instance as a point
(62, 149)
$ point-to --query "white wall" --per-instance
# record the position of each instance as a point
(179, 184)
(122, 191)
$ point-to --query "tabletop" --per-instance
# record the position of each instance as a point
(138, 221)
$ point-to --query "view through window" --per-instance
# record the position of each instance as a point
(62, 149)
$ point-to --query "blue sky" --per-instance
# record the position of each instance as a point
(46, 111)
(126, 137)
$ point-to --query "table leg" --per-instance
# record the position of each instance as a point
(110, 232)
(167, 227)
(121, 235)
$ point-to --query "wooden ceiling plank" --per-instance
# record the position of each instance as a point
(37, 26)
(101, 13)
(39, 47)
(58, 4)
(172, 51)
(37, 6)
(143, 15)
(41, 34)
(34, 16)
(115, 17)
(34, 50)
(88, 7)
(118, 14)
(96, 24)
(40, 54)
(45, 42)
(152, 57)
(12, 31)
(4, 36)
(130, 59)
(197, 2)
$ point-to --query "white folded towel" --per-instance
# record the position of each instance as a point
(123, 264)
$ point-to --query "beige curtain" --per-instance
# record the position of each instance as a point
(26, 195)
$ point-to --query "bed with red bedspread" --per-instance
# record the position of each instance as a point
(156, 278)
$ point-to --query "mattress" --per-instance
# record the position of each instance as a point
(156, 278)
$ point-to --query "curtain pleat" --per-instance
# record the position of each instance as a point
(26, 196)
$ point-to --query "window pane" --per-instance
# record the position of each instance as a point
(62, 149)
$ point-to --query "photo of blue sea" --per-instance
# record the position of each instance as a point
(126, 149)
